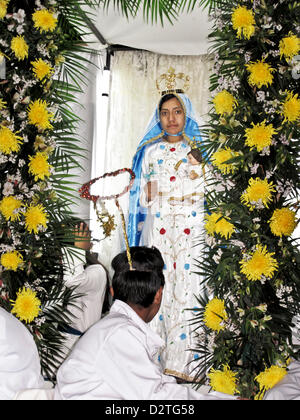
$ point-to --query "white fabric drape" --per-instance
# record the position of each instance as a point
(85, 109)
(133, 98)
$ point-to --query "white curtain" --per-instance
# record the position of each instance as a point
(85, 109)
(132, 100)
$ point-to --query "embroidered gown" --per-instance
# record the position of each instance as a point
(174, 224)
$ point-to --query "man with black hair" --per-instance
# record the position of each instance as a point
(115, 359)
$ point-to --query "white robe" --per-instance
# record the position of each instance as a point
(114, 360)
(91, 283)
(19, 359)
(174, 224)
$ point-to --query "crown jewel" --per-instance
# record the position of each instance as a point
(168, 82)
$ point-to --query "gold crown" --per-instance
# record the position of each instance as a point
(169, 81)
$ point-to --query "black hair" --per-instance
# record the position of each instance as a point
(140, 285)
(166, 98)
(143, 259)
(137, 287)
(196, 154)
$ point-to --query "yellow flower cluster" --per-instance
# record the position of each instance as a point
(44, 20)
(221, 157)
(35, 218)
(289, 46)
(12, 260)
(243, 22)
(39, 115)
(3, 8)
(259, 192)
(260, 73)
(26, 307)
(41, 69)
(217, 223)
(215, 314)
(20, 47)
(39, 166)
(9, 141)
(259, 136)
(224, 102)
(269, 378)
(261, 263)
(223, 380)
(10, 208)
(291, 108)
(283, 222)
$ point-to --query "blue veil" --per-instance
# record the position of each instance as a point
(154, 133)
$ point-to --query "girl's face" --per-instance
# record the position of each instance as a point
(172, 116)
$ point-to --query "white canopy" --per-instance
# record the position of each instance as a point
(187, 36)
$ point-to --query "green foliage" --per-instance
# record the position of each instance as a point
(258, 331)
(44, 249)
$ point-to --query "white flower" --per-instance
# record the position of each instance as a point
(253, 168)
(8, 189)
(262, 307)
(19, 16)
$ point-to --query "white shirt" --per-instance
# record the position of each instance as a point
(91, 283)
(19, 359)
(116, 360)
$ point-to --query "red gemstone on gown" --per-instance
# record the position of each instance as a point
(162, 231)
(172, 149)
(173, 178)
(187, 231)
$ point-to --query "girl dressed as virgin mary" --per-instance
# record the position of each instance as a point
(166, 210)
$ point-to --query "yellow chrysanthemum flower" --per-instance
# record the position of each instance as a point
(270, 377)
(3, 8)
(39, 166)
(260, 74)
(283, 222)
(19, 47)
(41, 69)
(259, 192)
(2, 104)
(215, 314)
(39, 115)
(260, 136)
(12, 260)
(9, 141)
(261, 263)
(221, 156)
(289, 46)
(26, 307)
(224, 102)
(217, 223)
(10, 207)
(291, 108)
(35, 218)
(223, 380)
(243, 22)
(44, 20)
(210, 223)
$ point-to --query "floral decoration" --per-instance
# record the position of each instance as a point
(41, 43)
(251, 263)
